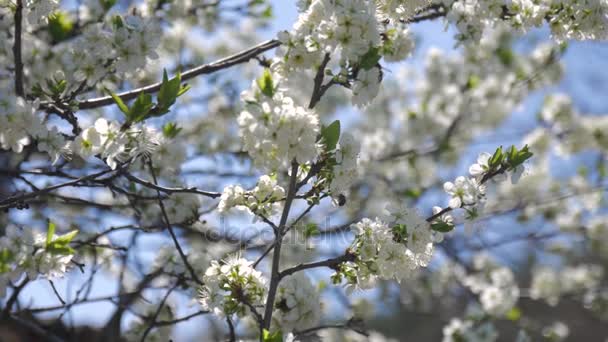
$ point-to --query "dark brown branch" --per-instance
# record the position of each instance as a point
(17, 49)
(11, 301)
(275, 277)
(180, 319)
(331, 263)
(224, 63)
(318, 82)
(170, 190)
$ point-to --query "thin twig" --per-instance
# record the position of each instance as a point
(56, 292)
(18, 198)
(157, 312)
(170, 228)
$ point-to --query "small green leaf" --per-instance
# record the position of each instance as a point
(267, 13)
(516, 158)
(442, 227)
(117, 22)
(171, 130)
(473, 82)
(505, 55)
(107, 4)
(370, 58)
(121, 105)
(183, 89)
(60, 26)
(50, 232)
(413, 193)
(311, 230)
(65, 238)
(141, 107)
(400, 230)
(496, 159)
(514, 314)
(331, 135)
(266, 84)
(60, 250)
(276, 336)
(169, 91)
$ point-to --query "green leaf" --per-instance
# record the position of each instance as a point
(169, 91)
(473, 82)
(65, 238)
(141, 107)
(276, 336)
(496, 159)
(505, 55)
(413, 193)
(183, 89)
(266, 84)
(50, 232)
(442, 227)
(311, 230)
(60, 250)
(331, 135)
(107, 4)
(117, 22)
(370, 58)
(171, 130)
(516, 158)
(514, 314)
(60, 26)
(121, 105)
(267, 13)
(400, 230)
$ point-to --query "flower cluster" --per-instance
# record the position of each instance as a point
(116, 144)
(571, 19)
(470, 193)
(549, 284)
(26, 251)
(346, 170)
(38, 10)
(232, 287)
(389, 250)
(297, 304)
(466, 330)
(496, 286)
(464, 192)
(20, 124)
(357, 31)
(126, 44)
(261, 200)
(398, 10)
(327, 25)
(274, 129)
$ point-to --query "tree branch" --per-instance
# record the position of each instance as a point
(275, 277)
(17, 49)
(170, 190)
(170, 228)
(331, 263)
(224, 63)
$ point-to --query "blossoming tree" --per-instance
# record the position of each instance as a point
(328, 190)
